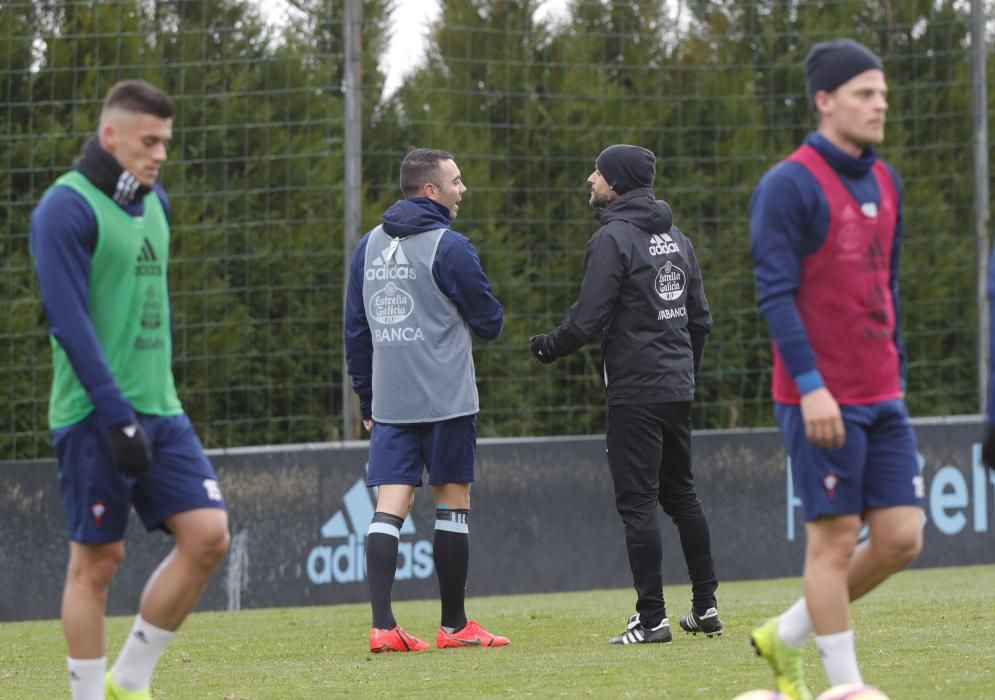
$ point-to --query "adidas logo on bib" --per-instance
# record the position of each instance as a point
(384, 267)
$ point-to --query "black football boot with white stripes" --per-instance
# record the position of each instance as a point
(709, 623)
(636, 633)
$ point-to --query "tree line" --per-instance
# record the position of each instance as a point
(255, 180)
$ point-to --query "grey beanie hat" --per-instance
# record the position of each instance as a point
(832, 63)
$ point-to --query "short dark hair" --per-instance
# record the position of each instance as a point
(141, 97)
(420, 166)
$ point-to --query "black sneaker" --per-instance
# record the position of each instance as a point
(636, 633)
(709, 623)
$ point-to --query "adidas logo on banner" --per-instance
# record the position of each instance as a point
(345, 562)
(662, 244)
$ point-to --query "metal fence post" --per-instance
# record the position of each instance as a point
(353, 138)
(982, 215)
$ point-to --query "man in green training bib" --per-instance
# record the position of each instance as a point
(100, 242)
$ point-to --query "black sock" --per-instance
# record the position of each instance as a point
(381, 564)
(451, 551)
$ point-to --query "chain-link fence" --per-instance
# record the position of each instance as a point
(255, 180)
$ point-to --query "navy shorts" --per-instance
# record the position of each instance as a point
(399, 452)
(97, 498)
(877, 467)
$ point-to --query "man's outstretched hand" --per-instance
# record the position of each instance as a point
(542, 347)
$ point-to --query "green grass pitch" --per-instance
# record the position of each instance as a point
(925, 634)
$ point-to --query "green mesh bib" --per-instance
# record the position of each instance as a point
(129, 309)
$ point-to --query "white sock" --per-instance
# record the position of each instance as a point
(839, 657)
(86, 678)
(134, 666)
(795, 625)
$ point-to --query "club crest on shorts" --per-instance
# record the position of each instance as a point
(98, 509)
(830, 482)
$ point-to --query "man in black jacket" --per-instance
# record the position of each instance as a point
(642, 292)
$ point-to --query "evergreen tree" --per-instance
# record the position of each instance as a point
(255, 180)
(255, 176)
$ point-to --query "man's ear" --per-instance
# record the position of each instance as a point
(107, 136)
(822, 101)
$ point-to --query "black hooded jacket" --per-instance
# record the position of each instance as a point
(642, 292)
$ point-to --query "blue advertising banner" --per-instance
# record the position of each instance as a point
(542, 519)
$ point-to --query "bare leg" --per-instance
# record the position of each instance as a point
(395, 499)
(895, 540)
(452, 495)
(831, 543)
(84, 598)
(174, 588)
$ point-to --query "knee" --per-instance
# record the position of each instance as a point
(215, 546)
(638, 514)
(911, 548)
(836, 555)
(681, 507)
(96, 569)
(896, 536)
(900, 548)
(209, 548)
(832, 546)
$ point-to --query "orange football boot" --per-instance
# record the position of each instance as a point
(394, 640)
(472, 635)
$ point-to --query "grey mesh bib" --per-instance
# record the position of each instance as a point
(422, 362)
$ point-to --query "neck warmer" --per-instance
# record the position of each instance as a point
(103, 170)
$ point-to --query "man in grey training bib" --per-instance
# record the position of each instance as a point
(416, 292)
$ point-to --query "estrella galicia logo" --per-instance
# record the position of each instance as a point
(151, 310)
(670, 282)
(343, 560)
(391, 305)
(148, 262)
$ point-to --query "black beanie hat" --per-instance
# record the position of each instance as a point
(832, 63)
(627, 167)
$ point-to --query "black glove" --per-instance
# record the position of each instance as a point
(129, 448)
(542, 347)
(988, 448)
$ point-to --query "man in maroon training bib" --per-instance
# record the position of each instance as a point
(825, 234)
